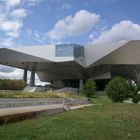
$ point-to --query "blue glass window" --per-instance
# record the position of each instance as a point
(64, 50)
(69, 50)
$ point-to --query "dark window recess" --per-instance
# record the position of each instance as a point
(78, 51)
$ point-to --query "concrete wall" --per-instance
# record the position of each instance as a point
(97, 51)
(127, 54)
(43, 51)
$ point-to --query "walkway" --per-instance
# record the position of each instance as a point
(26, 109)
(12, 110)
(15, 114)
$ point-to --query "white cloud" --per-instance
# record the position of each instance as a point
(6, 69)
(124, 30)
(12, 2)
(91, 36)
(11, 18)
(32, 2)
(16, 74)
(8, 42)
(11, 28)
(36, 36)
(10, 25)
(11, 22)
(13, 34)
(82, 22)
(66, 6)
(2, 15)
(18, 13)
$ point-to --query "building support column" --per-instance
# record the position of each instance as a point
(137, 72)
(32, 78)
(80, 85)
(25, 76)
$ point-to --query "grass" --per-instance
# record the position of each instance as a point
(38, 95)
(102, 121)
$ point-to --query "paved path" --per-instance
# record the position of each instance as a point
(79, 106)
(26, 109)
(13, 114)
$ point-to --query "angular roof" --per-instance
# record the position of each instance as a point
(94, 54)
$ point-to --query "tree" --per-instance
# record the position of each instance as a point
(89, 88)
(118, 89)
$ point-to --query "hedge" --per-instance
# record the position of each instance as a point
(8, 84)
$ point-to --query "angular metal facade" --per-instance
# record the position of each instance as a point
(72, 61)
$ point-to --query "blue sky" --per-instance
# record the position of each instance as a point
(39, 17)
(29, 22)
(43, 17)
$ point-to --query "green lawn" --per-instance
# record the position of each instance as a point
(102, 121)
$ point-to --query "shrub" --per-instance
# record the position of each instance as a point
(134, 92)
(89, 88)
(8, 84)
(118, 89)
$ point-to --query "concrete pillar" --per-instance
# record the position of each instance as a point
(80, 85)
(25, 76)
(137, 72)
(32, 78)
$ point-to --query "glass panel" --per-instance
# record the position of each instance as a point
(68, 50)
(64, 50)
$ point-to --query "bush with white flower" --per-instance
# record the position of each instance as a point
(134, 92)
(120, 89)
